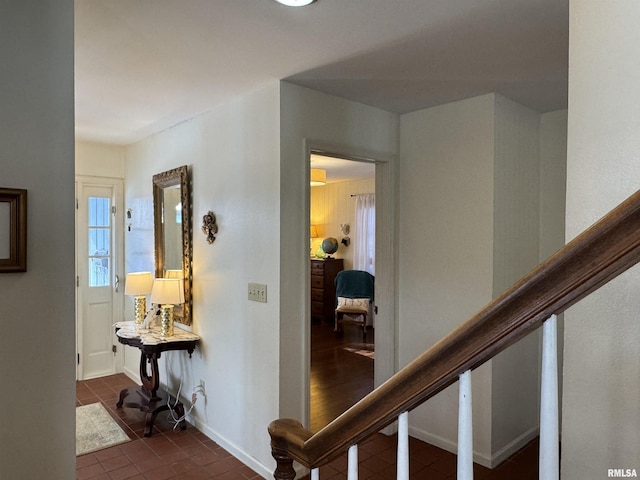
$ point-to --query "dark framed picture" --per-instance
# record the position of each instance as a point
(13, 230)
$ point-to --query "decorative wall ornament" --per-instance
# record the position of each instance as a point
(209, 226)
(345, 228)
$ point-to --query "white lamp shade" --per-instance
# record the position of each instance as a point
(167, 291)
(173, 274)
(138, 283)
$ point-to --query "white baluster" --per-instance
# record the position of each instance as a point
(402, 471)
(315, 474)
(465, 428)
(353, 463)
(549, 439)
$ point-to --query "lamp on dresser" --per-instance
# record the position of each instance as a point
(313, 233)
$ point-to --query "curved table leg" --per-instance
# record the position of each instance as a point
(150, 383)
(148, 422)
(123, 394)
(151, 399)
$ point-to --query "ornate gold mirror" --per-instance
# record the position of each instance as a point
(172, 232)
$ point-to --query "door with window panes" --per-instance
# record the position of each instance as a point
(98, 277)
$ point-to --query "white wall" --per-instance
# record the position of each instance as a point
(332, 205)
(36, 153)
(313, 119)
(446, 248)
(601, 423)
(469, 227)
(233, 154)
(516, 192)
(516, 206)
(553, 181)
(99, 160)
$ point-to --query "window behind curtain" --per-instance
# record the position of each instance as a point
(365, 241)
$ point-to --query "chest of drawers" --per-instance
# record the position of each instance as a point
(323, 287)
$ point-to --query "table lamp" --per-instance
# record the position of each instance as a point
(167, 292)
(313, 233)
(139, 284)
(173, 274)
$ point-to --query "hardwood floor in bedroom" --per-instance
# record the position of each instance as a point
(341, 371)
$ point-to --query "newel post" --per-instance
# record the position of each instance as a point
(284, 467)
(287, 438)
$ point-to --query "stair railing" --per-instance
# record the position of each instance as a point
(599, 254)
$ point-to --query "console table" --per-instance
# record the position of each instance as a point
(151, 399)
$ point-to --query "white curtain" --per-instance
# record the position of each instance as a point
(365, 241)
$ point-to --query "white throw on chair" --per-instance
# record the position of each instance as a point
(354, 299)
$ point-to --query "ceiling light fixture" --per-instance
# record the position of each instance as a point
(318, 177)
(295, 3)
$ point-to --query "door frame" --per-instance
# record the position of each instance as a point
(117, 184)
(385, 364)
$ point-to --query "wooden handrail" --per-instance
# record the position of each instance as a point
(599, 254)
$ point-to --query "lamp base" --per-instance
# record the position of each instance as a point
(166, 320)
(139, 309)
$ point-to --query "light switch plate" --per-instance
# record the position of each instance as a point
(258, 292)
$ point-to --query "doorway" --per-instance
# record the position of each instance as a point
(341, 366)
(99, 279)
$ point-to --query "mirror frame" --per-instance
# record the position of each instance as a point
(176, 176)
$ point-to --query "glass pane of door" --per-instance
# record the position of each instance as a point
(99, 241)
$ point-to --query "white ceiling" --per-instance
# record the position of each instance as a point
(145, 65)
(342, 170)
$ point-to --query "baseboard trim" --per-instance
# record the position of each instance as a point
(230, 447)
(488, 461)
(135, 376)
(512, 447)
(233, 449)
(446, 444)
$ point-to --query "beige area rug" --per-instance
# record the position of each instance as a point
(364, 349)
(95, 429)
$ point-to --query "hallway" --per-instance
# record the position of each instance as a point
(191, 455)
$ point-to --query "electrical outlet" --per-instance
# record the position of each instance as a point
(258, 292)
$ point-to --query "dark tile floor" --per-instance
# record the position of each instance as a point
(167, 454)
(189, 454)
(377, 461)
